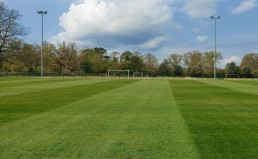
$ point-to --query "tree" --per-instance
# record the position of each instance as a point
(247, 72)
(186, 58)
(178, 70)
(94, 60)
(114, 56)
(151, 63)
(84, 60)
(193, 62)
(208, 62)
(174, 60)
(66, 57)
(126, 56)
(164, 68)
(11, 55)
(136, 63)
(10, 29)
(250, 61)
(114, 60)
(50, 57)
(101, 51)
(29, 57)
(232, 68)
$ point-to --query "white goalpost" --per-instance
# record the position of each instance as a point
(109, 71)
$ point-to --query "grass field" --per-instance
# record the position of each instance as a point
(90, 118)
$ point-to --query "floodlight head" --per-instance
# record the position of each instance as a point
(218, 17)
(42, 12)
(212, 17)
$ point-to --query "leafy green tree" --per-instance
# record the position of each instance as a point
(101, 51)
(114, 56)
(94, 60)
(232, 68)
(126, 56)
(246, 72)
(136, 63)
(84, 61)
(114, 60)
(164, 68)
(178, 70)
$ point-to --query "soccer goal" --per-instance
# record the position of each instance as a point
(119, 73)
(232, 75)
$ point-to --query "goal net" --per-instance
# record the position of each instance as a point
(118, 73)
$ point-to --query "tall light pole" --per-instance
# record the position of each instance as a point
(215, 19)
(42, 13)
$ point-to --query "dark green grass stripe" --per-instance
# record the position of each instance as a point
(29, 82)
(15, 107)
(223, 122)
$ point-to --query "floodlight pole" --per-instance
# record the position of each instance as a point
(42, 13)
(215, 19)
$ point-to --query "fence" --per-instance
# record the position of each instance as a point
(94, 75)
(48, 75)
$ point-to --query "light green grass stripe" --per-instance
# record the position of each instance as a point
(245, 88)
(129, 122)
(44, 86)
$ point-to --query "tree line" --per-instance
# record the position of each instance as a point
(68, 58)
(18, 56)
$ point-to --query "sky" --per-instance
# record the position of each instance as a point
(161, 27)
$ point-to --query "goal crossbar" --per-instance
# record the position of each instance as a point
(119, 71)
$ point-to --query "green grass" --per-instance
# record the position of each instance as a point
(69, 118)
(223, 122)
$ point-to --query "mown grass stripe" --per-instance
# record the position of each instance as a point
(29, 82)
(222, 121)
(240, 87)
(15, 107)
(251, 82)
(140, 120)
(29, 88)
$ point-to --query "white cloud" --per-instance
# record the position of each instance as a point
(233, 58)
(199, 8)
(115, 21)
(201, 39)
(244, 6)
(153, 43)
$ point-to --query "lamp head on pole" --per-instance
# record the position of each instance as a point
(212, 17)
(42, 12)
